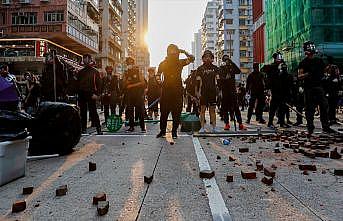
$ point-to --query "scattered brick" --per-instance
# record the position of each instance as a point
(103, 207)
(323, 154)
(308, 167)
(244, 150)
(259, 166)
(229, 178)
(207, 174)
(277, 150)
(18, 206)
(269, 172)
(218, 157)
(92, 166)
(62, 190)
(267, 180)
(148, 179)
(248, 175)
(99, 197)
(335, 155)
(27, 190)
(338, 172)
(274, 166)
(231, 158)
(286, 145)
(310, 154)
(305, 172)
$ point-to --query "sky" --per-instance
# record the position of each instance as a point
(172, 21)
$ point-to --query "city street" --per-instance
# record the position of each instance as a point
(176, 191)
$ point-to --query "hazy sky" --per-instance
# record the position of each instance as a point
(172, 21)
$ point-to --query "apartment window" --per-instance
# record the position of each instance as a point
(242, 12)
(228, 1)
(243, 43)
(54, 16)
(243, 53)
(229, 21)
(241, 21)
(229, 11)
(2, 18)
(24, 18)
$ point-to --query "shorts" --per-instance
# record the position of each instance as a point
(208, 101)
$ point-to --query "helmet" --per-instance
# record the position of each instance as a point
(309, 47)
(278, 56)
(225, 58)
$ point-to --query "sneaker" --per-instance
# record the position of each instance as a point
(227, 126)
(161, 134)
(174, 135)
(262, 121)
(242, 127)
(215, 130)
(202, 130)
(131, 129)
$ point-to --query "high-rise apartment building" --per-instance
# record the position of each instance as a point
(129, 27)
(196, 50)
(142, 51)
(235, 33)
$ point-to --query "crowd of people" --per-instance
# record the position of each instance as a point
(270, 88)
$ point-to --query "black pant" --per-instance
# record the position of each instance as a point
(278, 103)
(300, 104)
(192, 105)
(86, 101)
(230, 104)
(333, 102)
(313, 97)
(170, 102)
(135, 104)
(107, 108)
(259, 108)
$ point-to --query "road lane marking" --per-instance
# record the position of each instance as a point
(215, 199)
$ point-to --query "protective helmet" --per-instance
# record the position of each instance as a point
(277, 56)
(225, 58)
(309, 47)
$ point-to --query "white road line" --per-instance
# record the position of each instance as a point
(216, 202)
(136, 135)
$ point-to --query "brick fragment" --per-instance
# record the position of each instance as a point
(232, 158)
(335, 155)
(103, 207)
(27, 190)
(229, 178)
(308, 167)
(248, 175)
(172, 143)
(259, 166)
(18, 206)
(62, 190)
(206, 174)
(243, 149)
(305, 172)
(294, 145)
(92, 166)
(99, 197)
(286, 145)
(269, 172)
(338, 172)
(148, 179)
(310, 154)
(218, 157)
(267, 180)
(324, 154)
(277, 150)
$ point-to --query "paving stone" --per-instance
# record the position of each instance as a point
(27, 190)
(148, 179)
(248, 174)
(335, 155)
(62, 190)
(103, 207)
(269, 172)
(99, 197)
(229, 178)
(18, 206)
(338, 172)
(92, 166)
(309, 167)
(243, 149)
(267, 180)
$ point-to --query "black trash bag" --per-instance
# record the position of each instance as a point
(56, 129)
(13, 122)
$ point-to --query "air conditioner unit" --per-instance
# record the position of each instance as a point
(25, 1)
(6, 2)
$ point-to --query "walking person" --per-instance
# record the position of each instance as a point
(172, 90)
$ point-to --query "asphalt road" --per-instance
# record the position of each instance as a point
(176, 192)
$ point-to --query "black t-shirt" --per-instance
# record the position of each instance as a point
(172, 71)
(255, 83)
(132, 76)
(315, 68)
(227, 75)
(207, 75)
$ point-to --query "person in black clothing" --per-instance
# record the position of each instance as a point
(190, 93)
(311, 70)
(241, 96)
(279, 85)
(110, 92)
(134, 84)
(89, 92)
(172, 90)
(227, 85)
(33, 89)
(153, 94)
(255, 87)
(207, 76)
(333, 81)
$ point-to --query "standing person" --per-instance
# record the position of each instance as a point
(311, 70)
(89, 92)
(229, 93)
(172, 90)
(332, 73)
(9, 99)
(299, 99)
(192, 104)
(206, 89)
(255, 87)
(153, 94)
(33, 89)
(110, 92)
(134, 84)
(241, 96)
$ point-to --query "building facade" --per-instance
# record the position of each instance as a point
(289, 23)
(129, 28)
(235, 34)
(110, 46)
(142, 50)
(69, 23)
(197, 51)
(259, 35)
